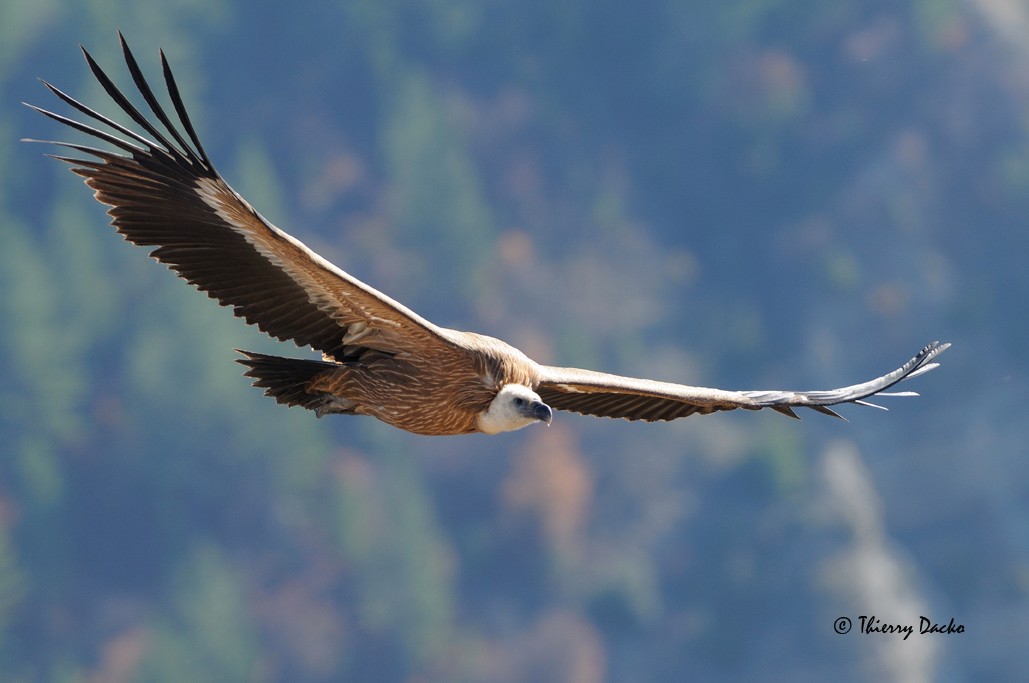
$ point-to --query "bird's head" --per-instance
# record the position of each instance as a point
(514, 407)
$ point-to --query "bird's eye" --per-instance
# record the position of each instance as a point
(519, 401)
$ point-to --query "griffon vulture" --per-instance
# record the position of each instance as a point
(379, 357)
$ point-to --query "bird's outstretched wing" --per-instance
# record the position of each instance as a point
(604, 395)
(164, 192)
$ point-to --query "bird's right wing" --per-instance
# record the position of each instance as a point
(605, 395)
(164, 192)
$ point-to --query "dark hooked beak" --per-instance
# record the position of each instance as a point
(541, 411)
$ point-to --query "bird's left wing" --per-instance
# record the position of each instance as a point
(604, 395)
(164, 192)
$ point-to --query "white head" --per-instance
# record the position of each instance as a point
(514, 407)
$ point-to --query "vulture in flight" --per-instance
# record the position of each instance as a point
(379, 357)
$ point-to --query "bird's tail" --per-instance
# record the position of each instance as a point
(286, 379)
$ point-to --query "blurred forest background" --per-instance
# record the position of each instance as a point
(744, 193)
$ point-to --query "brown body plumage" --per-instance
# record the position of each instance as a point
(382, 386)
(379, 357)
